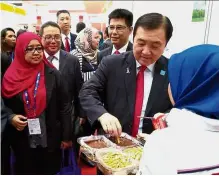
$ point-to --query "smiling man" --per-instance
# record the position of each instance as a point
(119, 29)
(64, 22)
(133, 84)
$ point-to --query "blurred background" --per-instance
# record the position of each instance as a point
(189, 28)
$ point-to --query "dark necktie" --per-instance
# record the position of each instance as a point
(116, 52)
(51, 58)
(139, 96)
(67, 45)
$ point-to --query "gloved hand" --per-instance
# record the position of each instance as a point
(110, 124)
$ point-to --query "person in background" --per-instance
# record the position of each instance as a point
(8, 42)
(87, 43)
(21, 31)
(6, 114)
(64, 22)
(133, 84)
(101, 40)
(120, 28)
(189, 144)
(33, 88)
(107, 42)
(80, 26)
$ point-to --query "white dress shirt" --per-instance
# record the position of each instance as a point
(55, 61)
(69, 39)
(148, 79)
(121, 50)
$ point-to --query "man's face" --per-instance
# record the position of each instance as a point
(51, 40)
(64, 21)
(119, 32)
(149, 45)
(10, 39)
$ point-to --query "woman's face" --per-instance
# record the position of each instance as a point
(170, 95)
(10, 39)
(34, 52)
(95, 40)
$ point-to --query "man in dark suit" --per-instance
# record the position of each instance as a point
(66, 63)
(120, 28)
(128, 86)
(68, 38)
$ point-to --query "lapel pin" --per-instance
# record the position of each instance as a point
(162, 72)
(127, 70)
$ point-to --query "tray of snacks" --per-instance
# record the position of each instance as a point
(90, 144)
(134, 152)
(113, 161)
(124, 140)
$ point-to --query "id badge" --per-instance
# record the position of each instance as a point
(34, 126)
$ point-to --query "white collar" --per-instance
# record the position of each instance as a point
(150, 67)
(121, 50)
(190, 121)
(64, 36)
(56, 54)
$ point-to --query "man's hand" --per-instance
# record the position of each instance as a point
(157, 115)
(110, 124)
(66, 144)
(19, 122)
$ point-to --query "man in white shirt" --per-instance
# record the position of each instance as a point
(120, 28)
(64, 22)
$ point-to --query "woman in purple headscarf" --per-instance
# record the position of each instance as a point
(190, 143)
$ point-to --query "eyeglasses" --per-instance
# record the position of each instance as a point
(49, 38)
(39, 49)
(118, 28)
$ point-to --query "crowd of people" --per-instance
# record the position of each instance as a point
(58, 86)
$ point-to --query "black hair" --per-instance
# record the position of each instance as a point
(80, 26)
(21, 31)
(47, 24)
(106, 32)
(153, 21)
(123, 14)
(4, 32)
(62, 11)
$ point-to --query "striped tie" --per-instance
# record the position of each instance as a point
(51, 58)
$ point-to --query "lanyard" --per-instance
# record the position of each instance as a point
(35, 92)
(12, 56)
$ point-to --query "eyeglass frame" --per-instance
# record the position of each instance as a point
(116, 27)
(52, 38)
(34, 49)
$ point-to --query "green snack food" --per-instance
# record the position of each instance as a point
(134, 152)
(116, 160)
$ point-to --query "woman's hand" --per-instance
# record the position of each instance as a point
(19, 122)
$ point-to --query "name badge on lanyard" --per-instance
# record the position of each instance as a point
(33, 124)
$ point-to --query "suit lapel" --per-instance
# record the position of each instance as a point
(72, 42)
(129, 70)
(49, 82)
(129, 47)
(158, 80)
(62, 61)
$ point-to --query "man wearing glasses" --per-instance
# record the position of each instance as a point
(66, 63)
(120, 28)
